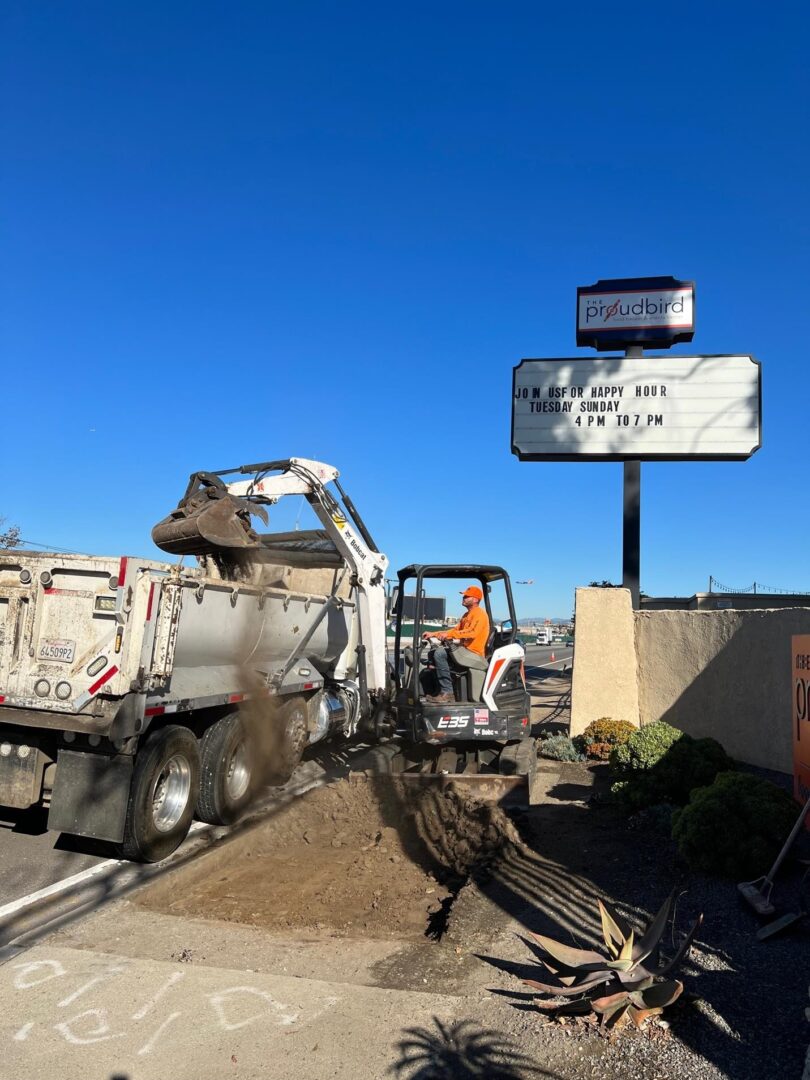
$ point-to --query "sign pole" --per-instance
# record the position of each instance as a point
(631, 538)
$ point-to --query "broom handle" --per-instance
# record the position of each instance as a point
(794, 832)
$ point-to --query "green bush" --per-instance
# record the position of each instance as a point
(664, 765)
(601, 736)
(688, 764)
(653, 819)
(735, 827)
(560, 748)
(646, 746)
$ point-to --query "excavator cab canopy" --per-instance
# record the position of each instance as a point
(504, 632)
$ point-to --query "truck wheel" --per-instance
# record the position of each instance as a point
(162, 795)
(293, 735)
(227, 771)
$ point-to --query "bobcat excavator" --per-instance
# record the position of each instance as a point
(481, 739)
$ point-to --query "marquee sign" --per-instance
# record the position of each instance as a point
(653, 312)
(663, 408)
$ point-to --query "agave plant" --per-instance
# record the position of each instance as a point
(628, 983)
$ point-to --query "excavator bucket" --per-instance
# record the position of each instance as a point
(512, 778)
(208, 523)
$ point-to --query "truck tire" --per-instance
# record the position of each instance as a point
(293, 735)
(162, 794)
(227, 771)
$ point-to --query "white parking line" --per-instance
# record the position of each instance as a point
(109, 866)
(58, 887)
(551, 663)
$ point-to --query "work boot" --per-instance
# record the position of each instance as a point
(439, 699)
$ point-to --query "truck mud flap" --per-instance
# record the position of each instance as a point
(90, 795)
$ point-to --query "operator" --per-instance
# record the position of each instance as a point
(471, 632)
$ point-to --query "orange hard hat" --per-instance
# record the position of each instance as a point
(474, 591)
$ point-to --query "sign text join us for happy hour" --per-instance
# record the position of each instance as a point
(618, 408)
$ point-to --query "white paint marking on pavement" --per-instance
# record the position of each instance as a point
(232, 1008)
(68, 883)
(109, 865)
(218, 1001)
(539, 665)
(88, 985)
(58, 887)
(150, 1045)
(152, 1002)
(100, 1033)
(22, 982)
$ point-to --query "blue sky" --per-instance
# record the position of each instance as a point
(241, 231)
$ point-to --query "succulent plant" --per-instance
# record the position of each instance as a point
(560, 748)
(628, 983)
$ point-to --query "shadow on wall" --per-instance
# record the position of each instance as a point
(724, 674)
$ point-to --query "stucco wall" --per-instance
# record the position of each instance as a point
(604, 680)
(722, 673)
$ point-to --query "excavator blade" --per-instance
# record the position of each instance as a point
(206, 528)
(513, 779)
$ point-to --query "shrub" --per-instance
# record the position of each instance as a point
(646, 746)
(665, 766)
(560, 748)
(600, 736)
(689, 764)
(735, 827)
(653, 819)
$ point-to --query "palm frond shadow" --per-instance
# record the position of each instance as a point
(462, 1051)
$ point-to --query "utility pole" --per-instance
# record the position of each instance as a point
(631, 537)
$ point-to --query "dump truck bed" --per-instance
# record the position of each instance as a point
(98, 644)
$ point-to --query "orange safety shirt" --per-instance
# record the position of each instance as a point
(472, 630)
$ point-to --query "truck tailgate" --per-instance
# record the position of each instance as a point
(71, 633)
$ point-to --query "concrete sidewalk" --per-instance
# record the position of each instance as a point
(73, 1013)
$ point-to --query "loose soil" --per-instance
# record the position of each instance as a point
(379, 859)
(362, 857)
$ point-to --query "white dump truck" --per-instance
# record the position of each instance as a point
(136, 694)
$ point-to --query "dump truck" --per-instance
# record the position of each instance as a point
(137, 694)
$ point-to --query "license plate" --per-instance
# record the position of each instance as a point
(57, 649)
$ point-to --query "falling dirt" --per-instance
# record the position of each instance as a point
(361, 857)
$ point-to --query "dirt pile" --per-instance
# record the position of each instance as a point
(363, 857)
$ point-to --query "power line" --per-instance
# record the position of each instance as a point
(45, 547)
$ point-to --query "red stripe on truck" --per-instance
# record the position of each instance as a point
(100, 682)
(156, 710)
(122, 571)
(149, 604)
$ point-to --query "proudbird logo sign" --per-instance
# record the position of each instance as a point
(653, 312)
